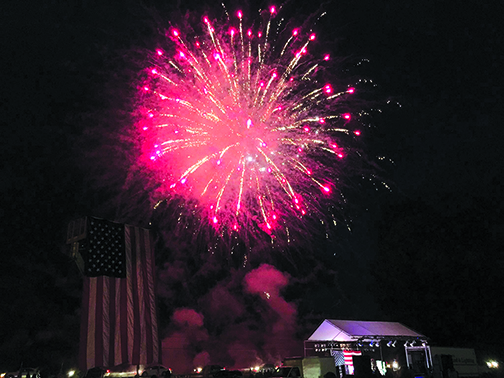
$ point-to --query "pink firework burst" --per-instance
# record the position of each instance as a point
(241, 121)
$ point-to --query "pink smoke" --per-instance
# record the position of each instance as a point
(178, 350)
(242, 321)
(187, 317)
(267, 281)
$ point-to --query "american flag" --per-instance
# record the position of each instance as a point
(119, 317)
(345, 357)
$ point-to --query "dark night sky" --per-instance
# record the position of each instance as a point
(442, 62)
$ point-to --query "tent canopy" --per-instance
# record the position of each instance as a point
(350, 330)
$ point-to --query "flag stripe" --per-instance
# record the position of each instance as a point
(156, 354)
(99, 322)
(105, 322)
(131, 304)
(92, 324)
(124, 314)
(151, 269)
(84, 323)
(118, 331)
(348, 356)
(147, 278)
(141, 298)
(136, 309)
(112, 321)
(141, 302)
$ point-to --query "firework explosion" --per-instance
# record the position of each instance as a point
(240, 122)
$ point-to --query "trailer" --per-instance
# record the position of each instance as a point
(460, 362)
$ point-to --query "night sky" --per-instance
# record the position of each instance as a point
(427, 253)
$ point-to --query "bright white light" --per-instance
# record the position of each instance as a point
(71, 373)
(493, 364)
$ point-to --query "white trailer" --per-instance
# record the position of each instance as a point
(461, 360)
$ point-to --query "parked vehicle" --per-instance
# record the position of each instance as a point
(26, 372)
(156, 371)
(227, 374)
(29, 373)
(209, 371)
(96, 372)
(121, 371)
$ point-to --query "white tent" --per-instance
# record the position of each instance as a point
(383, 341)
(352, 330)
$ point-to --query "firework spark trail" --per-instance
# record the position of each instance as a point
(252, 134)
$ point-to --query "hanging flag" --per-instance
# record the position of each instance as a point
(119, 317)
(348, 356)
(345, 357)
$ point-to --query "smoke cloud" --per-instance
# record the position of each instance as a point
(188, 318)
(240, 321)
(267, 282)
